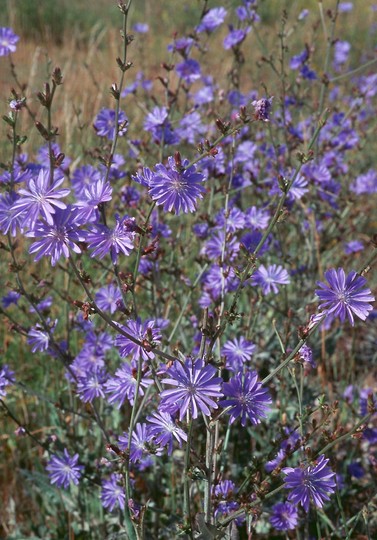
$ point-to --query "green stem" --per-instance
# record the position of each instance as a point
(329, 39)
(364, 420)
(186, 479)
(224, 522)
(186, 301)
(125, 12)
(353, 71)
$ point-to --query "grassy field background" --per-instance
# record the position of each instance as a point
(82, 37)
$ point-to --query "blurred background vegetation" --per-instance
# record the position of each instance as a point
(46, 20)
(82, 38)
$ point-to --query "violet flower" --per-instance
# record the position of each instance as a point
(164, 430)
(212, 19)
(344, 296)
(6, 379)
(246, 398)
(103, 240)
(189, 70)
(313, 483)
(104, 123)
(8, 40)
(123, 385)
(146, 332)
(196, 386)
(64, 469)
(270, 277)
(284, 516)
(109, 298)
(40, 199)
(112, 493)
(56, 239)
(176, 189)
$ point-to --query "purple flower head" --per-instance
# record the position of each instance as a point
(89, 360)
(10, 298)
(191, 127)
(143, 177)
(237, 352)
(298, 188)
(93, 195)
(365, 183)
(353, 247)
(251, 240)
(196, 386)
(104, 124)
(356, 470)
(218, 278)
(112, 493)
(246, 398)
(257, 218)
(141, 28)
(247, 13)
(157, 123)
(233, 221)
(212, 19)
(146, 332)
(40, 199)
(204, 95)
(6, 378)
(182, 45)
(38, 338)
(235, 38)
(92, 386)
(189, 70)
(341, 52)
(123, 385)
(109, 298)
(298, 60)
(262, 109)
(164, 430)
(290, 440)
(284, 516)
(157, 117)
(83, 177)
(10, 220)
(142, 444)
(306, 355)
(63, 469)
(268, 278)
(345, 7)
(44, 305)
(303, 14)
(17, 104)
(176, 188)
(315, 482)
(214, 246)
(225, 504)
(130, 196)
(103, 240)
(345, 296)
(8, 40)
(308, 73)
(247, 149)
(57, 238)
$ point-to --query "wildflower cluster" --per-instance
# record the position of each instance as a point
(167, 279)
